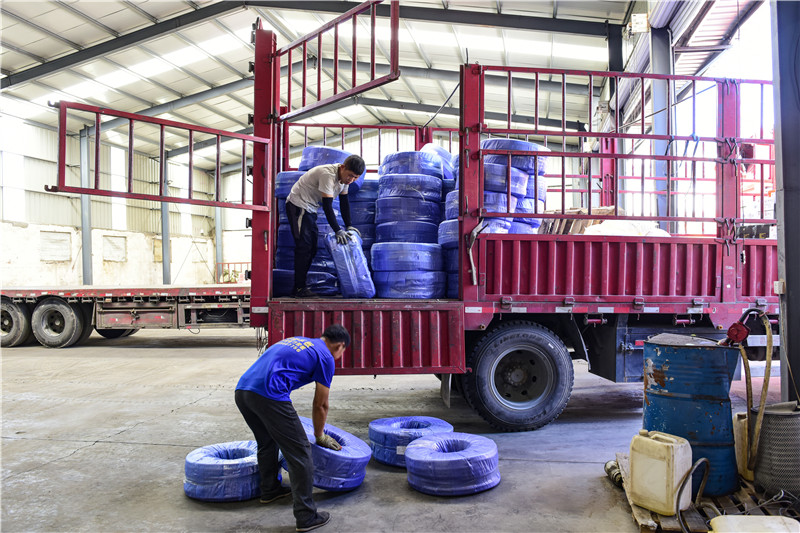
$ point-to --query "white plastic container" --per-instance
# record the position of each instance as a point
(754, 524)
(658, 464)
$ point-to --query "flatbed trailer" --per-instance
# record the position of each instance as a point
(529, 304)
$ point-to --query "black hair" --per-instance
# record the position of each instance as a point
(337, 332)
(355, 164)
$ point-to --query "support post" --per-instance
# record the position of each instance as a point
(218, 241)
(166, 274)
(86, 211)
(785, 42)
(661, 61)
(471, 201)
(616, 62)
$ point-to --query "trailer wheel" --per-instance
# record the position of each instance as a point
(15, 323)
(129, 332)
(57, 324)
(86, 309)
(521, 376)
(110, 333)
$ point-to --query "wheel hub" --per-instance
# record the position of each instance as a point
(520, 378)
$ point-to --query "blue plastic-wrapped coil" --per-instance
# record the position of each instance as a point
(497, 225)
(410, 284)
(537, 187)
(444, 155)
(528, 163)
(284, 182)
(495, 202)
(402, 231)
(368, 191)
(351, 267)
(412, 163)
(226, 472)
(521, 228)
(321, 283)
(448, 186)
(452, 464)
(283, 218)
(362, 212)
(399, 256)
(389, 437)
(452, 285)
(284, 260)
(451, 205)
(407, 209)
(494, 179)
(313, 156)
(338, 470)
(448, 234)
(419, 186)
(367, 231)
(528, 205)
(450, 260)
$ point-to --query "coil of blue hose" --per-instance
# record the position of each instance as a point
(494, 179)
(284, 181)
(352, 270)
(419, 186)
(402, 231)
(410, 284)
(225, 472)
(528, 163)
(412, 163)
(407, 209)
(448, 234)
(400, 256)
(389, 437)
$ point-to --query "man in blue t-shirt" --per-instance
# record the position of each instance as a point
(262, 396)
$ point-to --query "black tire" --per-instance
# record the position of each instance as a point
(521, 377)
(129, 332)
(111, 333)
(56, 323)
(15, 323)
(86, 309)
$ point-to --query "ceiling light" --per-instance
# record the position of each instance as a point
(151, 67)
(185, 56)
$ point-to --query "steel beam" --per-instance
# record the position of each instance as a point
(785, 39)
(86, 211)
(120, 43)
(661, 61)
(455, 16)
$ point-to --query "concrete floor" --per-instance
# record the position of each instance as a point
(94, 439)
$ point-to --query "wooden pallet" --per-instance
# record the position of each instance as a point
(567, 226)
(745, 500)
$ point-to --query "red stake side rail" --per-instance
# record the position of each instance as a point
(715, 274)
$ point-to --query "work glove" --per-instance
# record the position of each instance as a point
(353, 229)
(342, 237)
(326, 441)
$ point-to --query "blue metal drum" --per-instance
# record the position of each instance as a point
(686, 386)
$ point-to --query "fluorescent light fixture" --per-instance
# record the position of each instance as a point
(185, 56)
(117, 78)
(220, 45)
(86, 89)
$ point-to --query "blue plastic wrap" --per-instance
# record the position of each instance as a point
(224, 472)
(339, 470)
(368, 191)
(367, 231)
(528, 205)
(452, 464)
(448, 186)
(448, 234)
(321, 283)
(284, 182)
(451, 205)
(412, 163)
(495, 202)
(452, 285)
(527, 163)
(537, 187)
(494, 179)
(406, 232)
(444, 155)
(313, 156)
(450, 259)
(362, 212)
(284, 260)
(351, 267)
(399, 256)
(521, 228)
(389, 437)
(410, 284)
(419, 186)
(497, 225)
(407, 209)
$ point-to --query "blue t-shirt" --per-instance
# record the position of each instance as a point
(288, 365)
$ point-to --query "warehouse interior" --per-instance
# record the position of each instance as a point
(95, 436)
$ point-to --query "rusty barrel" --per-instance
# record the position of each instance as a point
(687, 382)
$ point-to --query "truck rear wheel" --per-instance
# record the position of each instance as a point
(57, 324)
(110, 333)
(15, 323)
(521, 376)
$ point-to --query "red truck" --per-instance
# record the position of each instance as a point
(528, 304)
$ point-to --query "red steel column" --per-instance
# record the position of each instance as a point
(728, 186)
(469, 147)
(265, 100)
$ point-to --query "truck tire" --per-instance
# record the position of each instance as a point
(86, 309)
(57, 324)
(112, 333)
(521, 376)
(15, 323)
(129, 332)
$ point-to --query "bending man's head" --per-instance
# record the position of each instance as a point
(351, 169)
(336, 338)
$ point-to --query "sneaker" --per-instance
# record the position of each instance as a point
(269, 498)
(320, 520)
(305, 292)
